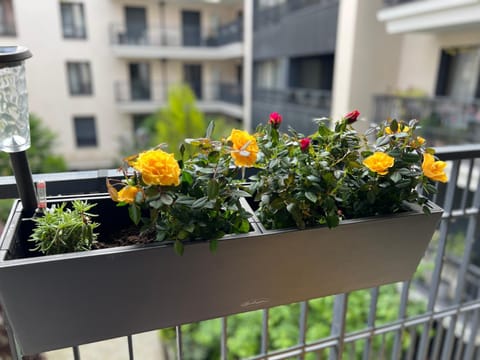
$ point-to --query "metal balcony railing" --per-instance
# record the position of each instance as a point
(270, 15)
(444, 121)
(122, 34)
(397, 2)
(158, 92)
(435, 315)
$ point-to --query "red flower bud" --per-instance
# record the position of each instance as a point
(275, 119)
(352, 116)
(305, 143)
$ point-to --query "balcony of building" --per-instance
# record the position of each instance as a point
(223, 98)
(444, 120)
(184, 42)
(405, 16)
(297, 105)
(434, 315)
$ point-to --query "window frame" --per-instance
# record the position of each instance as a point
(82, 141)
(79, 78)
(77, 27)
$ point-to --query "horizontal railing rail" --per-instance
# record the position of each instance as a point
(124, 34)
(443, 120)
(158, 92)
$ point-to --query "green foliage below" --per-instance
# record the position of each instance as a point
(202, 340)
(61, 229)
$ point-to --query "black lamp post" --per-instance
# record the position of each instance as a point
(14, 123)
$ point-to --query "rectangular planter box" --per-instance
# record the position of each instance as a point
(63, 300)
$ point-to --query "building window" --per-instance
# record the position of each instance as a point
(79, 78)
(73, 20)
(7, 22)
(85, 133)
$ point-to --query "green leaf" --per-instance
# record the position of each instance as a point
(210, 128)
(213, 189)
(199, 203)
(134, 213)
(166, 199)
(332, 221)
(411, 157)
(311, 196)
(178, 246)
(213, 156)
(394, 126)
(213, 245)
(371, 197)
(187, 177)
(383, 140)
(396, 177)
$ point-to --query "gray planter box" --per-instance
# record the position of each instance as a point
(64, 300)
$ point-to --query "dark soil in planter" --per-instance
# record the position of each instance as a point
(124, 237)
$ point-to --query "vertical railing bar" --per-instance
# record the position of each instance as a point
(303, 326)
(338, 325)
(264, 344)
(178, 332)
(402, 314)
(438, 340)
(473, 333)
(381, 351)
(371, 321)
(15, 351)
(76, 352)
(463, 203)
(223, 345)
(460, 344)
(353, 350)
(130, 347)
(413, 337)
(469, 241)
(448, 205)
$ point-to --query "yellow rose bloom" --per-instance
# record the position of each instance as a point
(389, 131)
(434, 170)
(379, 162)
(245, 148)
(127, 194)
(157, 168)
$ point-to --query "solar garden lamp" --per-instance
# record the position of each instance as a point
(14, 123)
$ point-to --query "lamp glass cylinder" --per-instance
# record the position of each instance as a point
(14, 124)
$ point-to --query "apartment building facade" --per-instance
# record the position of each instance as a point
(100, 67)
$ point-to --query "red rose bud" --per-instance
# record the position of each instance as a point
(305, 143)
(275, 119)
(352, 116)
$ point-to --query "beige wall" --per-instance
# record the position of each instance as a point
(419, 60)
(366, 58)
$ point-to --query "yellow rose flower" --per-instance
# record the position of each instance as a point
(157, 168)
(127, 194)
(379, 162)
(245, 148)
(389, 131)
(434, 170)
